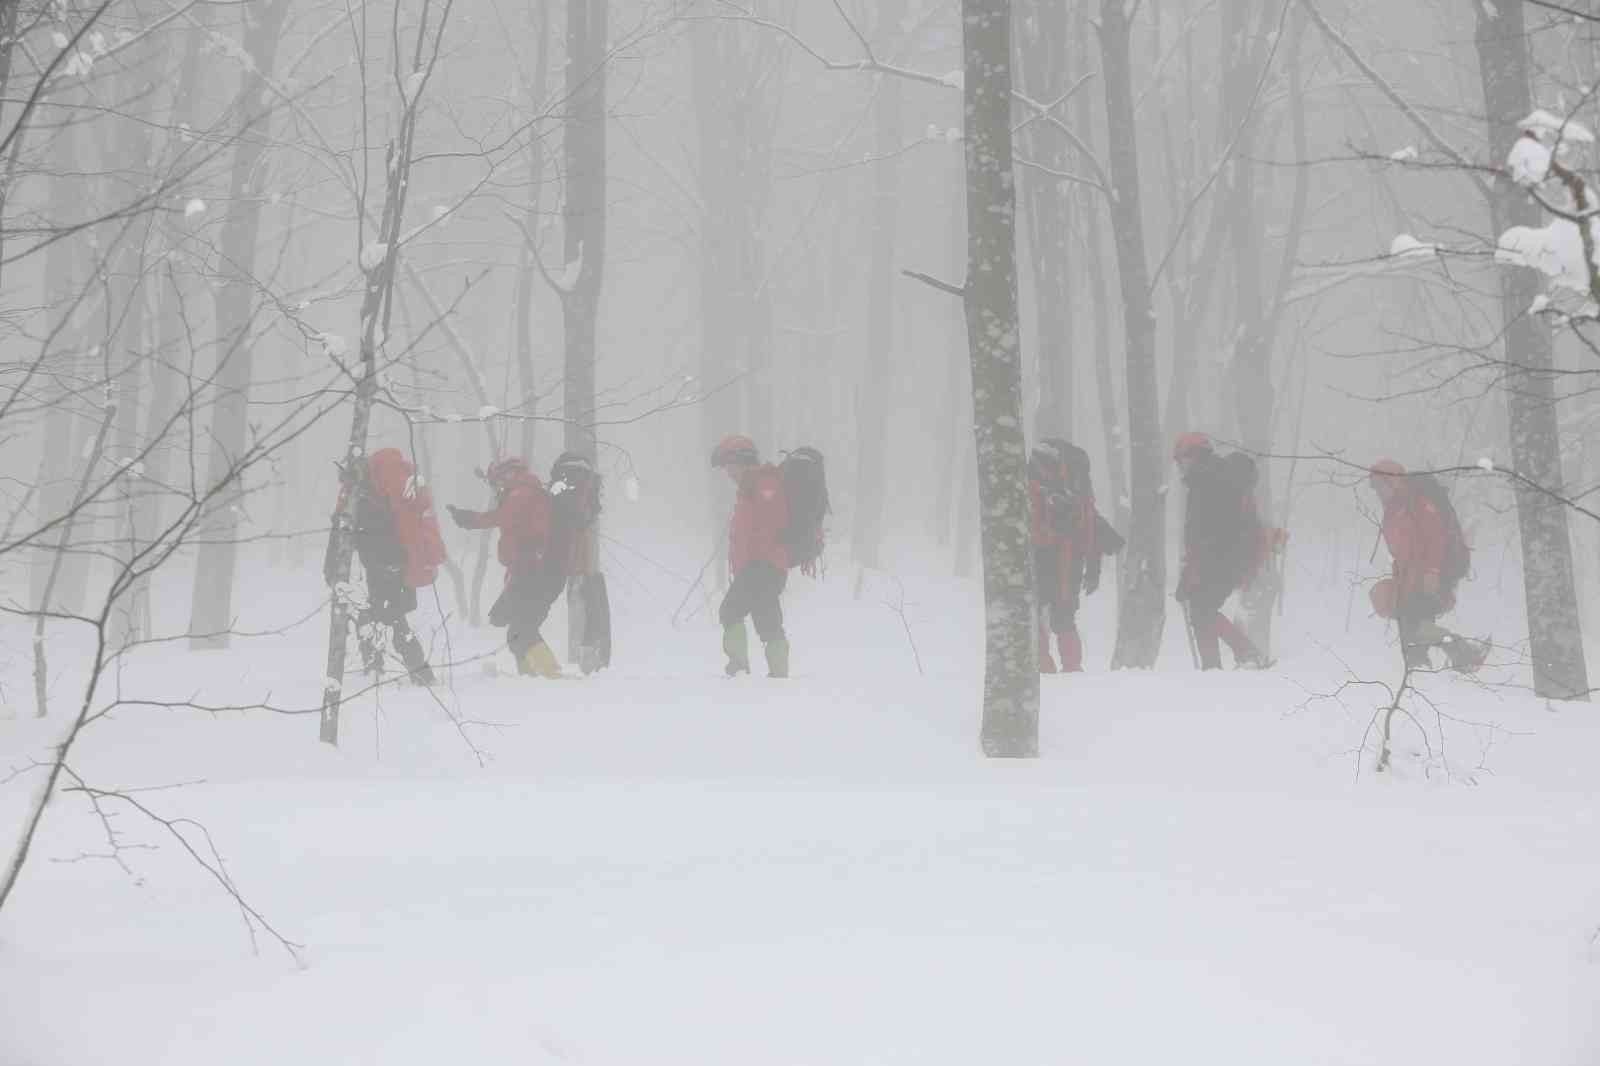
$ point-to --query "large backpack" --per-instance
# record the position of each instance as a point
(394, 479)
(1239, 476)
(1457, 553)
(805, 489)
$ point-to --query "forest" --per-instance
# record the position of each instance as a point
(373, 626)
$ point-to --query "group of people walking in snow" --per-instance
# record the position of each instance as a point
(1226, 547)
(547, 546)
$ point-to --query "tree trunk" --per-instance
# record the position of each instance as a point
(1047, 203)
(1011, 677)
(1555, 633)
(1250, 372)
(584, 224)
(211, 609)
(872, 429)
(1143, 574)
(54, 581)
(524, 332)
(174, 348)
(954, 437)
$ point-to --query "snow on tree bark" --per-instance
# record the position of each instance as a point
(1143, 574)
(1011, 678)
(1555, 633)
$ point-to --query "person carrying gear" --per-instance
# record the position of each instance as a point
(535, 575)
(1070, 538)
(398, 542)
(1431, 556)
(757, 557)
(1221, 544)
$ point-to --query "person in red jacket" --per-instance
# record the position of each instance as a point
(534, 575)
(1069, 539)
(1422, 536)
(757, 557)
(397, 540)
(1221, 536)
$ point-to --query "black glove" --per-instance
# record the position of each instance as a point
(1091, 576)
(457, 515)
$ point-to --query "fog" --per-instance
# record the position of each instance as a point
(247, 246)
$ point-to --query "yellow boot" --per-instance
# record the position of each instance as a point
(540, 660)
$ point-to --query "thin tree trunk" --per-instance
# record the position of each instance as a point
(872, 429)
(211, 609)
(1143, 575)
(525, 369)
(1011, 677)
(1555, 632)
(584, 224)
(1047, 207)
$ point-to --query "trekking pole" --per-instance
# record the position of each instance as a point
(1188, 629)
(715, 550)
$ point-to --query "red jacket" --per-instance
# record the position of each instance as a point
(1416, 534)
(1074, 545)
(760, 516)
(410, 507)
(522, 515)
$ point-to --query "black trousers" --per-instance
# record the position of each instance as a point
(1058, 599)
(755, 592)
(525, 604)
(389, 600)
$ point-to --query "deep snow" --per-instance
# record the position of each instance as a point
(661, 866)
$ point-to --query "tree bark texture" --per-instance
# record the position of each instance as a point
(1011, 677)
(1555, 633)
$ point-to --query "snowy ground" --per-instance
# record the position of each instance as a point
(660, 866)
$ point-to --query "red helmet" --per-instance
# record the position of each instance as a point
(502, 471)
(735, 450)
(1383, 598)
(1386, 468)
(1190, 444)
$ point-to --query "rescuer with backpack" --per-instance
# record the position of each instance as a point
(542, 540)
(777, 523)
(398, 542)
(1431, 557)
(1224, 542)
(1070, 538)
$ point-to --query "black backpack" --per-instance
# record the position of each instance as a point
(1457, 553)
(805, 489)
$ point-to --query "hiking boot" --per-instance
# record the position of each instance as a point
(736, 645)
(778, 658)
(540, 661)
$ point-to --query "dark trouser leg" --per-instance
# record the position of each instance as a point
(1210, 624)
(410, 651)
(1047, 591)
(1064, 623)
(1205, 612)
(531, 596)
(755, 592)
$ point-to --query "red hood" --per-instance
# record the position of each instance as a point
(390, 472)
